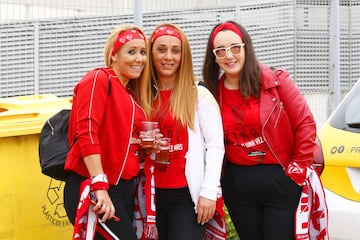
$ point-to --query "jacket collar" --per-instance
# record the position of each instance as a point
(269, 77)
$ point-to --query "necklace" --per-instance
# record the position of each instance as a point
(167, 84)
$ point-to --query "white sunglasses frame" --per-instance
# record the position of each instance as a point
(227, 49)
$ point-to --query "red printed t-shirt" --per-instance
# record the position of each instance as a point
(244, 143)
(173, 176)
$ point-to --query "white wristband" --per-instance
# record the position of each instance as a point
(99, 178)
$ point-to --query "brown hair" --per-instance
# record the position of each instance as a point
(184, 89)
(249, 80)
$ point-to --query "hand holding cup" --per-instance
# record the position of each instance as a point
(148, 133)
(163, 146)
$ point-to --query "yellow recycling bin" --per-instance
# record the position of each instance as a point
(31, 204)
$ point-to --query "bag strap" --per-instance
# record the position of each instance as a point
(108, 77)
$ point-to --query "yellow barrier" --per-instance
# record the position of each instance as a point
(31, 204)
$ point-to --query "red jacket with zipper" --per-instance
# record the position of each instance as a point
(103, 124)
(287, 123)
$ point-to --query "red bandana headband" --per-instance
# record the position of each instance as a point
(226, 26)
(125, 37)
(165, 30)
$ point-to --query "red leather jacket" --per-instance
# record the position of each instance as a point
(287, 123)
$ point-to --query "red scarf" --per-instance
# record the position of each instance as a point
(145, 212)
(86, 220)
(215, 229)
(311, 218)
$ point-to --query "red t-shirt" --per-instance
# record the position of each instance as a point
(173, 175)
(244, 142)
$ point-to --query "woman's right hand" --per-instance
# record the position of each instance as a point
(104, 205)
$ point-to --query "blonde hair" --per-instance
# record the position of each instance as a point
(141, 87)
(184, 89)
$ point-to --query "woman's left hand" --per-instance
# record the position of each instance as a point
(157, 135)
(205, 210)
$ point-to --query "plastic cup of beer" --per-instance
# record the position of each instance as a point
(148, 134)
(162, 156)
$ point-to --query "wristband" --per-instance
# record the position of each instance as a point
(99, 182)
(99, 178)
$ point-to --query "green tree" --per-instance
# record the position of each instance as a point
(231, 232)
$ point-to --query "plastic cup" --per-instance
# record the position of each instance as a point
(148, 135)
(162, 156)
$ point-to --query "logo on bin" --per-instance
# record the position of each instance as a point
(54, 210)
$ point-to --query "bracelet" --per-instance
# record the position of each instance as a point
(99, 178)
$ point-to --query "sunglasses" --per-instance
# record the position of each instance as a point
(235, 50)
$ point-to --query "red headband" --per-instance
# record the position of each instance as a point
(226, 26)
(165, 30)
(126, 36)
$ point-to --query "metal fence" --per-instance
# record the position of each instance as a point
(48, 52)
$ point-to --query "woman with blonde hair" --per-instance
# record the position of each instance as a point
(187, 188)
(104, 125)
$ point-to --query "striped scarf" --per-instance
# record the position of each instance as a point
(311, 218)
(145, 212)
(86, 221)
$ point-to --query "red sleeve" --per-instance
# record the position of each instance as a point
(303, 124)
(90, 98)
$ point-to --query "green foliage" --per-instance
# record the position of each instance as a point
(231, 232)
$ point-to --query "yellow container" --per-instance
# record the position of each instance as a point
(31, 203)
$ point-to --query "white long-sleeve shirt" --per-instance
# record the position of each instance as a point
(205, 154)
